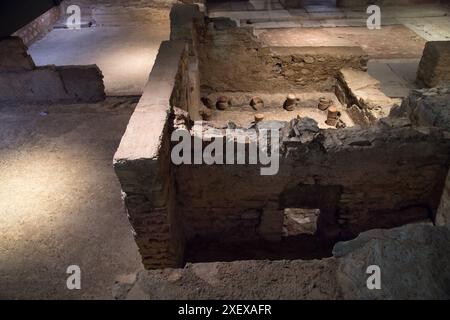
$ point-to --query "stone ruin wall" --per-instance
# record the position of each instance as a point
(94, 12)
(384, 175)
(361, 179)
(221, 47)
(256, 67)
(217, 47)
(39, 27)
(143, 165)
(22, 81)
(434, 67)
(431, 108)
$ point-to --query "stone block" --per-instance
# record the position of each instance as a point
(427, 108)
(269, 69)
(143, 137)
(38, 85)
(83, 83)
(142, 161)
(434, 67)
(362, 95)
(14, 56)
(70, 84)
(413, 261)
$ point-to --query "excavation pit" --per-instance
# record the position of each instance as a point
(242, 113)
(384, 166)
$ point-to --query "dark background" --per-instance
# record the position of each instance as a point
(14, 14)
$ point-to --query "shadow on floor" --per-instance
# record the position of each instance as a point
(304, 246)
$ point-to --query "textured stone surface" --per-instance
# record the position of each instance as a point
(362, 95)
(241, 280)
(142, 161)
(53, 84)
(430, 108)
(39, 85)
(434, 68)
(413, 260)
(14, 56)
(83, 83)
(383, 176)
(39, 27)
(259, 68)
(427, 107)
(21, 81)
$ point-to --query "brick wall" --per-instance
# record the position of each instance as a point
(39, 27)
(282, 68)
(384, 175)
(360, 179)
(142, 162)
(431, 108)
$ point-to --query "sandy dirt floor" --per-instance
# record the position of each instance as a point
(60, 200)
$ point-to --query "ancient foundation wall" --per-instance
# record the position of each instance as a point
(361, 94)
(14, 56)
(427, 108)
(434, 67)
(231, 59)
(385, 175)
(22, 81)
(431, 108)
(39, 27)
(184, 20)
(360, 179)
(272, 69)
(142, 161)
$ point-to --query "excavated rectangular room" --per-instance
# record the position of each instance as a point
(379, 163)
